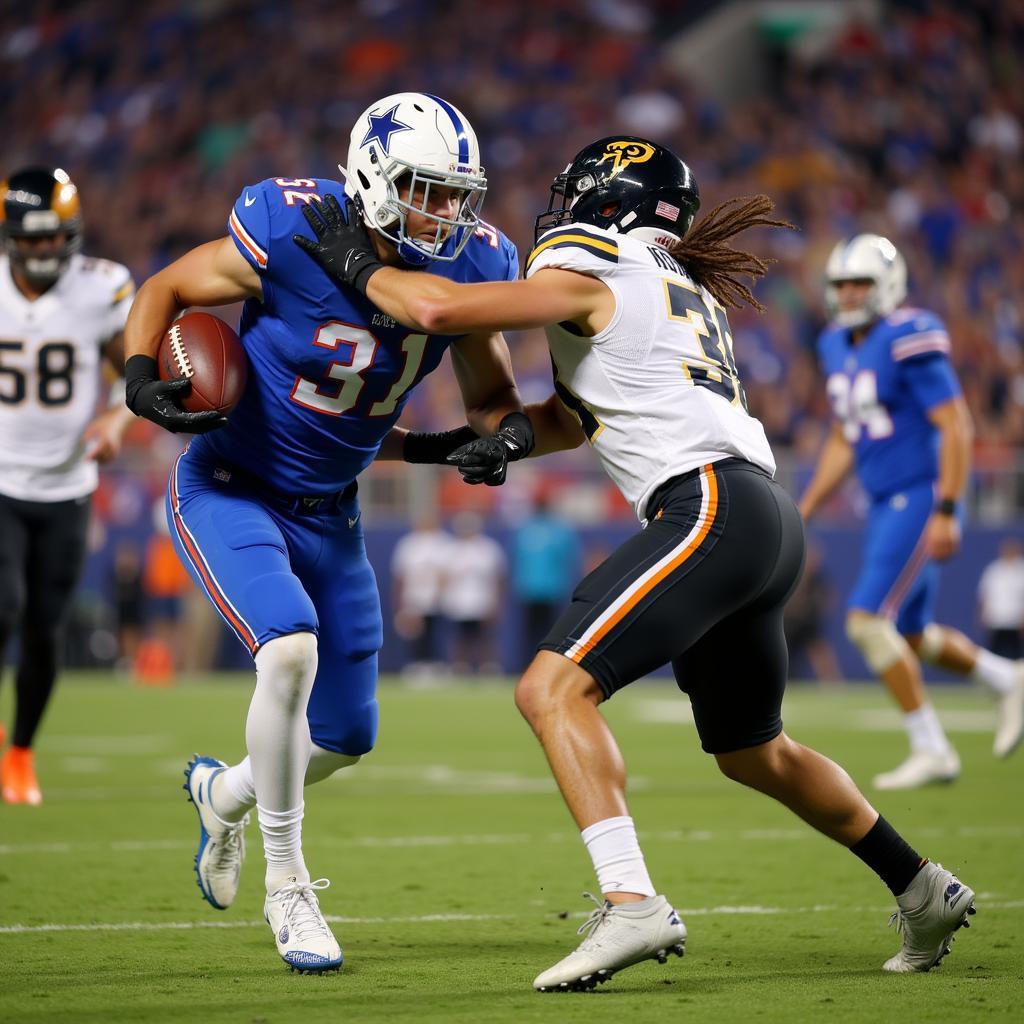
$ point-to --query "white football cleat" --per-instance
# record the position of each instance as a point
(1010, 717)
(303, 938)
(218, 861)
(616, 937)
(934, 906)
(922, 768)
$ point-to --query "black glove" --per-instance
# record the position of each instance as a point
(485, 460)
(146, 395)
(343, 248)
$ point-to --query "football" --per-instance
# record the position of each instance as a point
(207, 351)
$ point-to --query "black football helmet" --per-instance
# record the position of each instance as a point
(622, 184)
(40, 202)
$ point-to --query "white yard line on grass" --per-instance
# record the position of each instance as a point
(160, 926)
(677, 711)
(753, 835)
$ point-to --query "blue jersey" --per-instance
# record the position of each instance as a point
(881, 390)
(329, 372)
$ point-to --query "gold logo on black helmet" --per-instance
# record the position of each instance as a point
(622, 154)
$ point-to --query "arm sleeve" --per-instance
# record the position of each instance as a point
(512, 268)
(921, 350)
(120, 303)
(249, 226)
(931, 380)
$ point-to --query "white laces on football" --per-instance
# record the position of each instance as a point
(302, 909)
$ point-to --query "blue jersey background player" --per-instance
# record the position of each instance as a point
(901, 422)
(263, 507)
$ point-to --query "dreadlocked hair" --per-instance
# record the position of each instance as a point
(713, 264)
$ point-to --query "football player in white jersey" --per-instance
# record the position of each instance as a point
(61, 315)
(634, 301)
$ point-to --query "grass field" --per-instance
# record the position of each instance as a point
(454, 865)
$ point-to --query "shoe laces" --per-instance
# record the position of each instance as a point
(597, 917)
(302, 909)
(230, 845)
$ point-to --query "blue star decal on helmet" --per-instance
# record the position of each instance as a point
(382, 127)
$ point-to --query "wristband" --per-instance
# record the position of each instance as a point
(434, 449)
(946, 506)
(520, 422)
(138, 370)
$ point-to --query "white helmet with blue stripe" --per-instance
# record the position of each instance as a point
(866, 258)
(402, 146)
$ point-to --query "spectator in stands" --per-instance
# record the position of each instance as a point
(546, 563)
(1001, 596)
(473, 595)
(418, 567)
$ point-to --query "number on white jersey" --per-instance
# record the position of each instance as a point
(856, 405)
(54, 369)
(717, 370)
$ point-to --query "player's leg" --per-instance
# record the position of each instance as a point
(951, 650)
(736, 676)
(342, 709)
(653, 597)
(56, 539)
(895, 572)
(13, 552)
(341, 712)
(239, 552)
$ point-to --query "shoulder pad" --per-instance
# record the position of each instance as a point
(574, 248)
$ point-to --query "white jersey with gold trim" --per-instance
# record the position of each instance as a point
(50, 379)
(656, 392)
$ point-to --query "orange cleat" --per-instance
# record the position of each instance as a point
(18, 774)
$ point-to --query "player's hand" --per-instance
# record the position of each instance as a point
(485, 460)
(102, 437)
(942, 536)
(343, 247)
(148, 396)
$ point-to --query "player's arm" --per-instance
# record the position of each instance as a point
(952, 419)
(436, 305)
(834, 464)
(214, 274)
(103, 435)
(483, 369)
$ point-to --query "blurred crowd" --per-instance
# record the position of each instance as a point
(912, 127)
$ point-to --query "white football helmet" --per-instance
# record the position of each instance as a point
(411, 139)
(866, 258)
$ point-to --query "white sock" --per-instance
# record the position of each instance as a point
(618, 860)
(925, 730)
(277, 736)
(996, 673)
(282, 846)
(234, 794)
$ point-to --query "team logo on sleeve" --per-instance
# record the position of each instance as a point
(622, 154)
(382, 127)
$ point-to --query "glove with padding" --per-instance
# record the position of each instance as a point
(343, 247)
(152, 398)
(485, 460)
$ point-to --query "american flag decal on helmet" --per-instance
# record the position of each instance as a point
(666, 210)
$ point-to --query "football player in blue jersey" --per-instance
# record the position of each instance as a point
(902, 424)
(262, 506)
